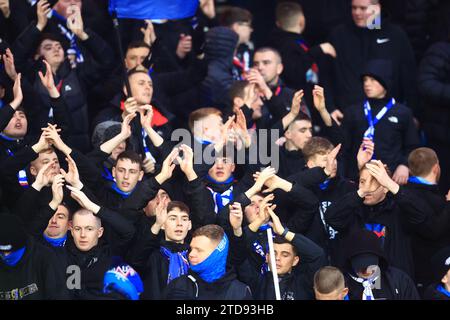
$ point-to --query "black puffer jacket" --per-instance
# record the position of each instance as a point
(219, 52)
(434, 87)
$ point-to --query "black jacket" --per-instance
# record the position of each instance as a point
(393, 284)
(298, 285)
(312, 223)
(431, 233)
(35, 277)
(74, 83)
(219, 52)
(157, 269)
(192, 287)
(94, 263)
(433, 80)
(351, 214)
(356, 46)
(297, 58)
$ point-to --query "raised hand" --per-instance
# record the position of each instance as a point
(276, 223)
(43, 177)
(296, 101)
(51, 133)
(57, 191)
(75, 22)
(125, 130)
(130, 106)
(319, 98)
(330, 166)
(226, 129)
(263, 176)
(274, 182)
(48, 81)
(208, 8)
(42, 143)
(8, 61)
(42, 10)
(149, 33)
(236, 218)
(148, 165)
(17, 90)
(161, 212)
(184, 46)
(80, 197)
(255, 77)
(337, 116)
(72, 176)
(365, 152)
(187, 163)
(167, 167)
(240, 128)
(401, 174)
(378, 170)
(146, 112)
(328, 48)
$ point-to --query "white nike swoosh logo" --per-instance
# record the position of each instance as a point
(380, 41)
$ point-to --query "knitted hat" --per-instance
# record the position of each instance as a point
(12, 233)
(105, 131)
(123, 279)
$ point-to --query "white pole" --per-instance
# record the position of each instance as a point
(273, 265)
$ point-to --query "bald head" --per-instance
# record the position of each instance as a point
(86, 229)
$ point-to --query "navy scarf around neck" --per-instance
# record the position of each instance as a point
(59, 242)
(13, 258)
(122, 193)
(214, 266)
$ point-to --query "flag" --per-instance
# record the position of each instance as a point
(154, 9)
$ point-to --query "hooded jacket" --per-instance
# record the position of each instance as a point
(395, 134)
(356, 46)
(393, 284)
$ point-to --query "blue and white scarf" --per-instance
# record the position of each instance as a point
(367, 284)
(224, 198)
(73, 50)
(178, 263)
(370, 132)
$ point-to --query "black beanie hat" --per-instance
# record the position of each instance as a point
(441, 263)
(12, 233)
